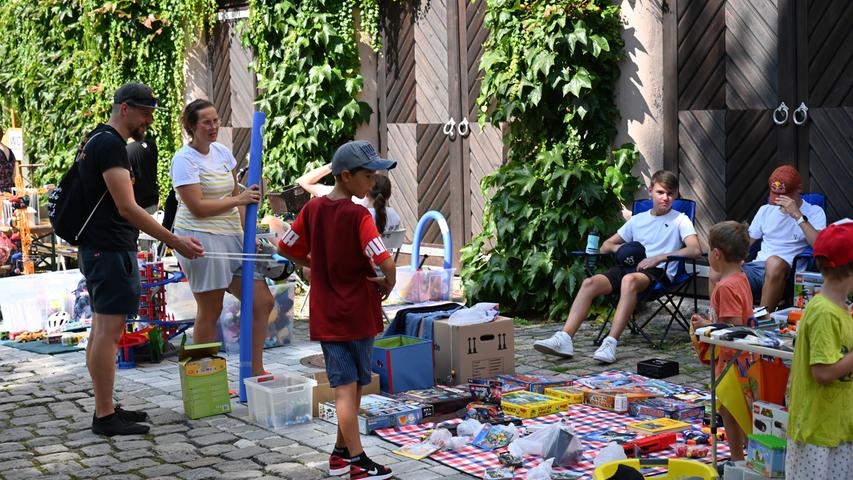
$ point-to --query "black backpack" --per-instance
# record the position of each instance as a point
(67, 213)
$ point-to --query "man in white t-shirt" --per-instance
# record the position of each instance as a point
(662, 231)
(786, 226)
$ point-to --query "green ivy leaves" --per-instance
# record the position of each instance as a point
(549, 74)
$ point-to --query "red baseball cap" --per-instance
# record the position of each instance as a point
(783, 181)
(834, 243)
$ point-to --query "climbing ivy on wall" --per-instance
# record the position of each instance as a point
(307, 64)
(550, 74)
(63, 60)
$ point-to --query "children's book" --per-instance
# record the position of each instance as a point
(658, 425)
(417, 451)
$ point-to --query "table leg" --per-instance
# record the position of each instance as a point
(713, 408)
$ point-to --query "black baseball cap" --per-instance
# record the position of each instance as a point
(136, 94)
(630, 254)
(359, 154)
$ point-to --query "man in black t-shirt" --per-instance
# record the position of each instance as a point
(142, 155)
(107, 251)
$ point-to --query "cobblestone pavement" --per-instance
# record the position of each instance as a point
(46, 406)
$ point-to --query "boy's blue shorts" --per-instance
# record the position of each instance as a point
(348, 362)
(754, 272)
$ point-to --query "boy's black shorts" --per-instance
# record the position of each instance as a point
(616, 273)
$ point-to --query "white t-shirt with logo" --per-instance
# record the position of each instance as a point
(779, 233)
(659, 234)
(392, 218)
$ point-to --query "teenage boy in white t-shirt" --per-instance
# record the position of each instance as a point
(663, 232)
(786, 226)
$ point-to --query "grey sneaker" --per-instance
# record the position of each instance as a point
(606, 353)
(559, 344)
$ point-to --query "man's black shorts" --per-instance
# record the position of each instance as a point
(112, 278)
(616, 273)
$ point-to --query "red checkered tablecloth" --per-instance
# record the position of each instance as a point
(585, 419)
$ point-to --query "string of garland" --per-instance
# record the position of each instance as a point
(64, 59)
(550, 74)
(308, 72)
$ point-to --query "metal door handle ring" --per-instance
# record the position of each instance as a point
(464, 128)
(803, 112)
(449, 128)
(784, 110)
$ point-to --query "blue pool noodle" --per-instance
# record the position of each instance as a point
(249, 233)
(445, 236)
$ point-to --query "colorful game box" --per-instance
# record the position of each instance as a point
(666, 407)
(437, 400)
(527, 404)
(570, 394)
(533, 382)
(610, 381)
(616, 399)
(658, 425)
(489, 390)
(766, 455)
(377, 412)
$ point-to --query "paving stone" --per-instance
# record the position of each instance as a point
(242, 453)
(93, 472)
(132, 445)
(203, 431)
(275, 442)
(22, 473)
(42, 441)
(124, 476)
(160, 470)
(123, 467)
(51, 449)
(85, 441)
(199, 474)
(206, 440)
(158, 430)
(102, 461)
(217, 449)
(182, 447)
(11, 447)
(169, 438)
(61, 467)
(97, 450)
(28, 411)
(179, 457)
(246, 474)
(129, 455)
(13, 464)
(295, 471)
(203, 462)
(272, 458)
(57, 457)
(30, 420)
(237, 466)
(15, 434)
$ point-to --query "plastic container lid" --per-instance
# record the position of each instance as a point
(770, 441)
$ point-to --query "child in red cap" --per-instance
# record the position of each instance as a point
(820, 423)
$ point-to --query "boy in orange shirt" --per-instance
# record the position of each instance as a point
(731, 302)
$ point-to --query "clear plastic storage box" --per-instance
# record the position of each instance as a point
(280, 400)
(425, 285)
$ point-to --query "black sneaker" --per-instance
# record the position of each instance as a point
(131, 415)
(363, 467)
(114, 424)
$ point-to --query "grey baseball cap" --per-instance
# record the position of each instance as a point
(136, 94)
(359, 154)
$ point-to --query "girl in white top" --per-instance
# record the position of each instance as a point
(387, 219)
(212, 209)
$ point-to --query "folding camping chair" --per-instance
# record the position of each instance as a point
(393, 240)
(661, 292)
(806, 255)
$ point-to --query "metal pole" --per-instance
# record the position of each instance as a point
(247, 281)
(713, 407)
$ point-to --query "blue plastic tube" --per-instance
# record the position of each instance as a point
(445, 236)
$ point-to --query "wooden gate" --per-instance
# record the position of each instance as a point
(428, 84)
(750, 85)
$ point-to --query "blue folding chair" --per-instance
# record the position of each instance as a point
(806, 255)
(662, 292)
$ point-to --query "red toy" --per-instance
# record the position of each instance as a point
(646, 445)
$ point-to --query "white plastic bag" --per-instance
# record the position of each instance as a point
(554, 441)
(469, 428)
(610, 453)
(456, 443)
(541, 471)
(478, 313)
(440, 437)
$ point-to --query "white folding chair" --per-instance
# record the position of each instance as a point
(393, 240)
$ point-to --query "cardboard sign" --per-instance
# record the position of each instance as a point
(14, 139)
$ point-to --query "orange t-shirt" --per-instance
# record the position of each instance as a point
(732, 298)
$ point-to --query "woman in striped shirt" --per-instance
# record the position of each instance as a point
(212, 209)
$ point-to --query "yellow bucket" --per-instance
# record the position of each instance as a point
(677, 469)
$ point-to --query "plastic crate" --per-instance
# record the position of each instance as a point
(424, 285)
(280, 400)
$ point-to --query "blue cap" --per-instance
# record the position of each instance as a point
(630, 254)
(359, 154)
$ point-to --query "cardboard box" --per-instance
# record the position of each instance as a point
(806, 286)
(526, 404)
(438, 400)
(570, 394)
(666, 407)
(769, 418)
(204, 380)
(376, 412)
(483, 350)
(533, 382)
(615, 399)
(766, 455)
(323, 392)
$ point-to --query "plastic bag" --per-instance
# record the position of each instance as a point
(610, 453)
(478, 313)
(469, 428)
(541, 471)
(456, 443)
(440, 437)
(554, 441)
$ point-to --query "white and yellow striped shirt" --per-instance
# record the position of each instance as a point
(213, 173)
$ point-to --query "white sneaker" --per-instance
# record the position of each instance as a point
(559, 344)
(606, 353)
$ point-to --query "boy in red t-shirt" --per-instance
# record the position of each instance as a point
(731, 302)
(339, 241)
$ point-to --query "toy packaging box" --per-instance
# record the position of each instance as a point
(204, 380)
(482, 350)
(534, 383)
(527, 404)
(616, 399)
(769, 418)
(766, 455)
(570, 394)
(489, 390)
(377, 412)
(658, 425)
(438, 400)
(806, 286)
(666, 407)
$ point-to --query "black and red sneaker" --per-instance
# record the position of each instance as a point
(339, 464)
(367, 468)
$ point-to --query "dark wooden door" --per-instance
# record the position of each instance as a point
(736, 73)
(429, 81)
